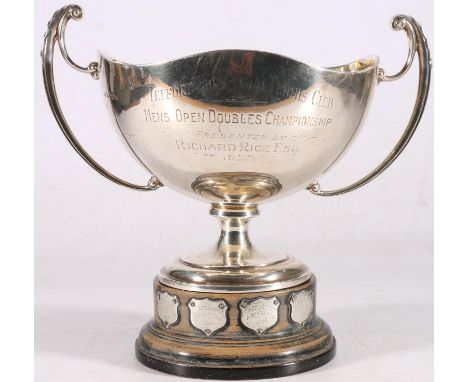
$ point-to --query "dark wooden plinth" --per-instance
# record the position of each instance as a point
(235, 352)
(239, 373)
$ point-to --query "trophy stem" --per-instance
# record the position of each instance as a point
(234, 265)
(234, 244)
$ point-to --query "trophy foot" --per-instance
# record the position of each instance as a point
(235, 313)
(234, 265)
(230, 373)
(254, 335)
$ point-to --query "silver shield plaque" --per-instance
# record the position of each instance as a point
(259, 314)
(302, 306)
(208, 315)
(167, 307)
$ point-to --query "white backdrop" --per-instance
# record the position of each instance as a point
(98, 246)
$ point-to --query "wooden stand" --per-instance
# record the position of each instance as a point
(235, 335)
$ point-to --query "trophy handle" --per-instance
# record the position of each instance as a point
(56, 32)
(417, 44)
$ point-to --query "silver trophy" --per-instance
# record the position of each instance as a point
(236, 128)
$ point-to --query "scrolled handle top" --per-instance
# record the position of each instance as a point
(75, 11)
(58, 24)
(402, 22)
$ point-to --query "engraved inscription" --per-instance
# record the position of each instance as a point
(167, 308)
(302, 306)
(156, 117)
(226, 135)
(217, 133)
(321, 100)
(259, 314)
(208, 315)
(163, 94)
(317, 98)
(242, 146)
(158, 93)
(215, 117)
(295, 120)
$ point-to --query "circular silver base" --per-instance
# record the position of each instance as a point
(256, 276)
(234, 265)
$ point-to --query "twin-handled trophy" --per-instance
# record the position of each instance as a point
(236, 128)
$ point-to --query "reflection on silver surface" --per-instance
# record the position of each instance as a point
(302, 306)
(417, 44)
(207, 314)
(236, 187)
(259, 314)
(234, 112)
(167, 308)
(237, 128)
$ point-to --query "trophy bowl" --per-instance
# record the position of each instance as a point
(236, 128)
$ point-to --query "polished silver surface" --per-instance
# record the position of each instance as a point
(302, 306)
(210, 123)
(259, 314)
(234, 265)
(417, 43)
(407, 23)
(237, 128)
(75, 13)
(167, 308)
(272, 276)
(56, 32)
(208, 315)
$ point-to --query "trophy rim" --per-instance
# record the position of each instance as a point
(372, 60)
(355, 71)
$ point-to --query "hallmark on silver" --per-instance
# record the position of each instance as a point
(259, 314)
(167, 308)
(208, 315)
(302, 306)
